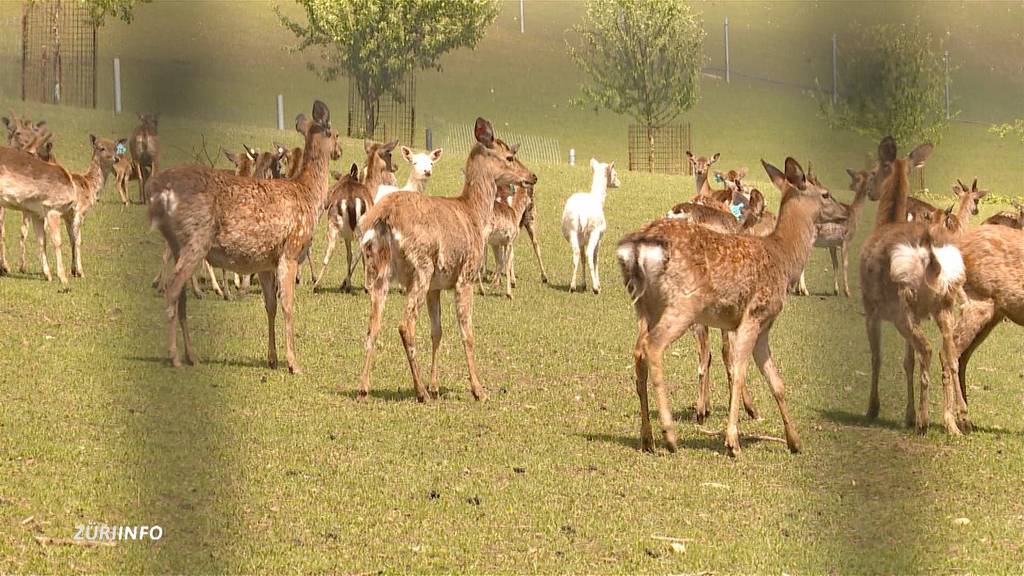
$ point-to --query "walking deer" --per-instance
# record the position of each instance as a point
(502, 231)
(908, 272)
(583, 221)
(379, 170)
(679, 274)
(245, 225)
(429, 244)
(1007, 218)
(49, 193)
(700, 165)
(144, 146)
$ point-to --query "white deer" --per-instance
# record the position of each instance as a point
(422, 166)
(583, 221)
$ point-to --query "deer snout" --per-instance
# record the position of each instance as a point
(426, 173)
(530, 180)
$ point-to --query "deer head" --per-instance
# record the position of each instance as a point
(378, 156)
(497, 158)
(319, 125)
(149, 121)
(701, 163)
(104, 151)
(887, 161)
(795, 186)
(423, 162)
(969, 196)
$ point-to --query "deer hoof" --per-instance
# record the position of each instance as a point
(4, 270)
(362, 395)
(873, 409)
(597, 290)
(647, 443)
(508, 295)
(272, 361)
(294, 369)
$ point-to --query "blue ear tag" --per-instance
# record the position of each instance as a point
(737, 210)
(718, 178)
(120, 148)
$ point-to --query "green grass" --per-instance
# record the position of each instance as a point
(253, 470)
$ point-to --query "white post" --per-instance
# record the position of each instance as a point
(835, 74)
(572, 156)
(522, 25)
(727, 79)
(280, 112)
(117, 85)
(945, 60)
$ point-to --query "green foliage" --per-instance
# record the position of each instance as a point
(1009, 129)
(378, 43)
(892, 81)
(643, 58)
(121, 9)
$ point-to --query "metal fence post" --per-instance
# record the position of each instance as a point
(430, 139)
(117, 85)
(726, 28)
(280, 112)
(835, 72)
(945, 60)
(522, 24)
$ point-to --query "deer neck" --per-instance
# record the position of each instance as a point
(963, 212)
(374, 177)
(89, 183)
(700, 179)
(892, 206)
(599, 187)
(479, 191)
(314, 175)
(859, 197)
(794, 232)
(416, 182)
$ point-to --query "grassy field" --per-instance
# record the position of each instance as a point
(253, 470)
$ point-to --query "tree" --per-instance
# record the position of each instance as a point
(376, 43)
(643, 58)
(100, 9)
(1009, 129)
(892, 81)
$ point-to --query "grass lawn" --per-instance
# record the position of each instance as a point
(249, 469)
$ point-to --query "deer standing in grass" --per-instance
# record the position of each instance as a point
(144, 147)
(908, 272)
(49, 193)
(245, 225)
(502, 232)
(379, 170)
(679, 274)
(35, 139)
(700, 166)
(583, 221)
(429, 244)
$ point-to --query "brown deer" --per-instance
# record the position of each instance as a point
(1007, 218)
(700, 165)
(379, 170)
(34, 139)
(350, 199)
(908, 272)
(502, 231)
(49, 193)
(967, 201)
(429, 244)
(245, 225)
(679, 274)
(144, 146)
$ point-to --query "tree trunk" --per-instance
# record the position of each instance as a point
(650, 148)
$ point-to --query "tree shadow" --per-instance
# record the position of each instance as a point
(234, 363)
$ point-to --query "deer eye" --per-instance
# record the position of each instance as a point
(508, 158)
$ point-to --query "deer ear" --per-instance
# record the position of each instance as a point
(302, 123)
(390, 145)
(336, 175)
(981, 194)
(689, 155)
(795, 174)
(775, 175)
(974, 185)
(436, 154)
(611, 165)
(714, 158)
(141, 116)
(920, 154)
(406, 153)
(741, 173)
(484, 132)
(7, 122)
(593, 163)
(514, 148)
(853, 174)
(353, 171)
(92, 139)
(231, 156)
(321, 114)
(887, 150)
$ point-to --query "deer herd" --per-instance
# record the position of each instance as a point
(720, 259)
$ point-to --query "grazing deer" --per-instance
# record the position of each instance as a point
(429, 244)
(583, 221)
(144, 146)
(835, 231)
(245, 225)
(350, 199)
(1006, 218)
(379, 170)
(49, 193)
(422, 166)
(679, 274)
(700, 165)
(908, 272)
(502, 231)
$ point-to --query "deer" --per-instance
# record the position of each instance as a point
(429, 244)
(503, 229)
(49, 193)
(1007, 218)
(244, 225)
(35, 139)
(350, 199)
(291, 159)
(908, 272)
(379, 170)
(583, 221)
(967, 201)
(836, 231)
(679, 274)
(700, 166)
(422, 166)
(144, 146)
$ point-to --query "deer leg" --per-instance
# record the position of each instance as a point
(592, 243)
(512, 264)
(703, 407)
(160, 281)
(977, 319)
(500, 255)
(434, 311)
(137, 169)
(287, 268)
(212, 275)
(74, 226)
(25, 220)
(464, 313)
(766, 364)
(509, 281)
(39, 227)
(748, 400)
(574, 242)
(332, 239)
(414, 296)
(268, 284)
(122, 189)
(954, 412)
(532, 233)
(740, 351)
(835, 269)
(184, 265)
(346, 285)
(667, 330)
(846, 269)
(910, 417)
(53, 224)
(642, 368)
(378, 287)
(197, 290)
(912, 332)
(4, 269)
(802, 287)
(874, 329)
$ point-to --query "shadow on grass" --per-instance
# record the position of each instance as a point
(707, 442)
(862, 421)
(261, 363)
(386, 394)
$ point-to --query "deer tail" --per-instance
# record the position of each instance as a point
(641, 261)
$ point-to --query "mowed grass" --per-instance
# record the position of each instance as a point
(249, 469)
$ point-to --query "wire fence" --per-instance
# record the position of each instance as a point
(459, 138)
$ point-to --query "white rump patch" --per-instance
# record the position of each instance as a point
(625, 254)
(169, 200)
(907, 263)
(651, 259)
(367, 237)
(359, 207)
(951, 264)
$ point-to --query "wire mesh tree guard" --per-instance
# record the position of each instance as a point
(458, 139)
(58, 53)
(390, 117)
(660, 150)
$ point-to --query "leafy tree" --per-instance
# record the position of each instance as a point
(376, 43)
(892, 81)
(100, 9)
(643, 58)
